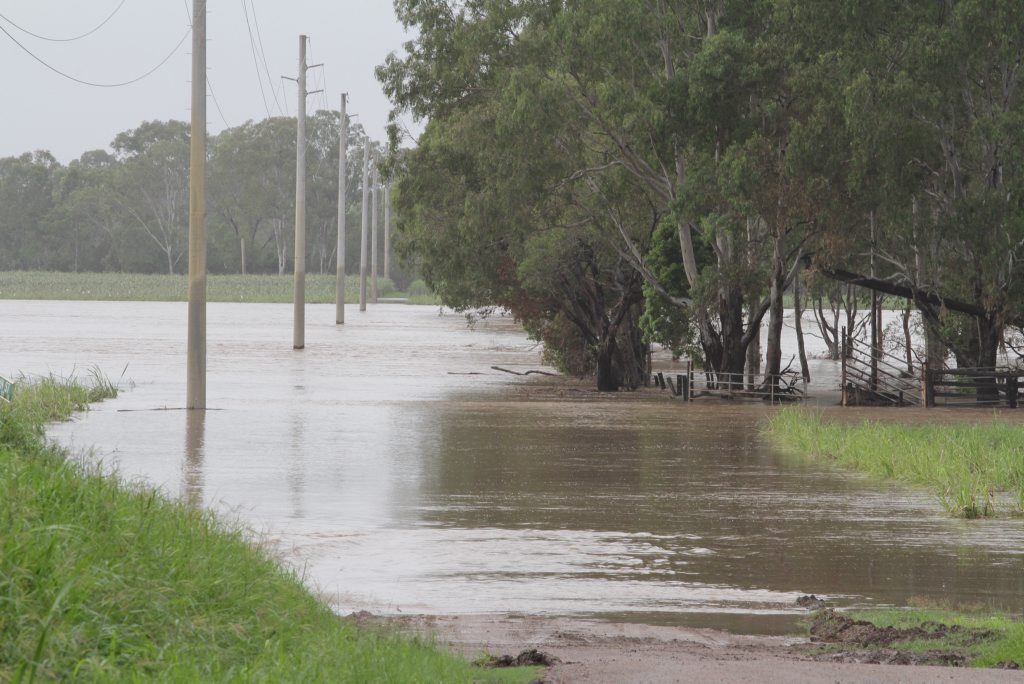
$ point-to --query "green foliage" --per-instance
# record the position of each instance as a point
(662, 322)
(974, 470)
(105, 582)
(128, 211)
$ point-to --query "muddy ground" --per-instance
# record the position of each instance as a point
(593, 651)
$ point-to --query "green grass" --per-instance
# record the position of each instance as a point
(1005, 645)
(420, 293)
(126, 287)
(975, 469)
(105, 582)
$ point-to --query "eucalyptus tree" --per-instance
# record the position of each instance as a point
(520, 156)
(930, 115)
(91, 232)
(151, 184)
(654, 94)
(239, 195)
(26, 196)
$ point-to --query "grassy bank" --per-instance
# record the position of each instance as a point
(126, 287)
(103, 582)
(974, 469)
(928, 636)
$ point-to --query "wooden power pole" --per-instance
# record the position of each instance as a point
(196, 357)
(387, 231)
(339, 295)
(299, 334)
(366, 225)
(373, 242)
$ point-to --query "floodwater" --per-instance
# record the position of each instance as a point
(399, 473)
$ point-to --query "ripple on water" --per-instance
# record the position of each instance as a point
(393, 477)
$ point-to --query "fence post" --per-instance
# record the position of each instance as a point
(927, 386)
(1012, 383)
(689, 374)
(842, 356)
(684, 383)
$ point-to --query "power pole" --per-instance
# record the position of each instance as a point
(195, 390)
(376, 213)
(339, 298)
(299, 334)
(366, 224)
(387, 231)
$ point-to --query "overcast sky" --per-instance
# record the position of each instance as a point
(42, 110)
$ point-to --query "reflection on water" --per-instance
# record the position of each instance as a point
(192, 472)
(400, 482)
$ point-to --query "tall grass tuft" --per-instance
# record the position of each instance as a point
(975, 470)
(105, 582)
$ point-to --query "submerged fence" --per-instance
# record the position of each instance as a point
(704, 382)
(963, 387)
(873, 376)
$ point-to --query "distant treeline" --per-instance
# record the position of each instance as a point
(126, 210)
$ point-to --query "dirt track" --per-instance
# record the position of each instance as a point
(592, 651)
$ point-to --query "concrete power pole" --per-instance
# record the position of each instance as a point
(387, 231)
(196, 357)
(376, 213)
(366, 225)
(299, 334)
(339, 295)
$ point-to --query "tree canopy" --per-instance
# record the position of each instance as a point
(875, 143)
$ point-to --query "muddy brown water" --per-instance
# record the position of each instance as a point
(401, 474)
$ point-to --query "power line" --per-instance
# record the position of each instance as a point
(266, 69)
(322, 82)
(209, 83)
(90, 83)
(255, 59)
(66, 40)
(284, 98)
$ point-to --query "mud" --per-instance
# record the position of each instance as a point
(595, 652)
(888, 656)
(811, 602)
(831, 627)
(528, 658)
(879, 645)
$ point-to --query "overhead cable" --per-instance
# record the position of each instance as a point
(263, 55)
(65, 40)
(91, 83)
(255, 59)
(209, 82)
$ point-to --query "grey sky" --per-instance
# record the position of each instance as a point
(42, 110)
